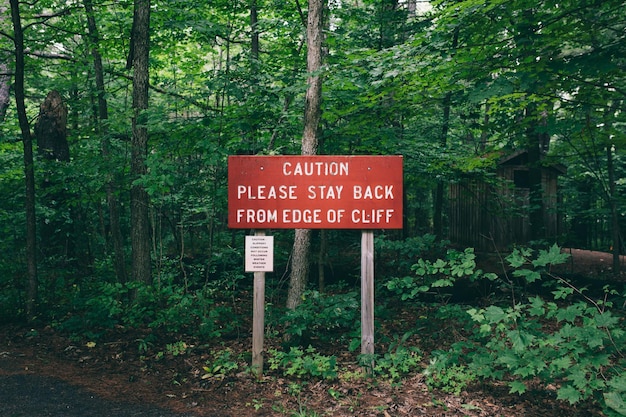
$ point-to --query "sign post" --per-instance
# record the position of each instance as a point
(313, 192)
(367, 292)
(259, 259)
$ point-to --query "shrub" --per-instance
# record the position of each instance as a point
(303, 363)
(439, 276)
(571, 341)
(323, 315)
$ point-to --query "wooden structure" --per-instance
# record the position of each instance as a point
(494, 216)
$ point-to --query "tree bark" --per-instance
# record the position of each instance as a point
(102, 128)
(310, 141)
(615, 236)
(56, 235)
(139, 199)
(29, 172)
(5, 75)
(5, 87)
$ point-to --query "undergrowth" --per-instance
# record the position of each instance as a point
(532, 328)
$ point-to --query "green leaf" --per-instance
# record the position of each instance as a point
(568, 393)
(553, 256)
(606, 319)
(529, 275)
(443, 282)
(564, 362)
(494, 314)
(517, 387)
(520, 340)
(571, 313)
(536, 306)
(615, 401)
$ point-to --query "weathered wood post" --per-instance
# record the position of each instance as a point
(258, 318)
(367, 292)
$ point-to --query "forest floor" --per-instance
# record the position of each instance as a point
(46, 373)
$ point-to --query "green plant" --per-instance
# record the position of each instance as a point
(222, 364)
(256, 404)
(144, 344)
(174, 349)
(399, 360)
(323, 315)
(439, 275)
(303, 363)
(574, 345)
(449, 378)
(400, 255)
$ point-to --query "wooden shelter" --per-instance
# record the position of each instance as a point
(495, 215)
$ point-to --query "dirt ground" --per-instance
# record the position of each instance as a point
(44, 373)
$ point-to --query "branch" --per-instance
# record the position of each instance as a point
(196, 103)
(50, 56)
(7, 36)
(42, 18)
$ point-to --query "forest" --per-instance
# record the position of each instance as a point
(117, 121)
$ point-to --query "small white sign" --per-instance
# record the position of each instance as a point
(259, 253)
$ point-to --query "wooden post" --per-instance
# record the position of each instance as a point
(258, 319)
(367, 292)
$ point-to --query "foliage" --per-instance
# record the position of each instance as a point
(450, 88)
(323, 316)
(399, 255)
(167, 308)
(303, 363)
(399, 361)
(223, 363)
(438, 276)
(449, 378)
(575, 345)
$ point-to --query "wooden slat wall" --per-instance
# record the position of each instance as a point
(493, 218)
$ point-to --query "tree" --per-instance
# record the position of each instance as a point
(310, 141)
(102, 116)
(139, 57)
(29, 171)
(5, 77)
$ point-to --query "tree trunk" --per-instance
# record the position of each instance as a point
(5, 86)
(56, 235)
(614, 210)
(102, 128)
(139, 199)
(310, 140)
(5, 75)
(51, 129)
(254, 41)
(29, 172)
